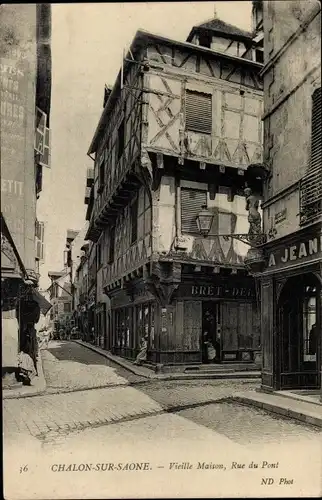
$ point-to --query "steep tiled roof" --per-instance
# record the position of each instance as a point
(219, 26)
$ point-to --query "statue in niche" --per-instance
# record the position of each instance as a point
(254, 217)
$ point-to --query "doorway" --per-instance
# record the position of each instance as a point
(298, 326)
(210, 331)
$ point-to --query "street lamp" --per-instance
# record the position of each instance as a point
(204, 220)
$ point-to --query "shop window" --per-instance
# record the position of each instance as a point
(152, 327)
(120, 327)
(192, 201)
(139, 326)
(310, 330)
(198, 112)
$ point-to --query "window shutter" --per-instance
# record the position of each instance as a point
(311, 186)
(191, 203)
(198, 112)
(316, 146)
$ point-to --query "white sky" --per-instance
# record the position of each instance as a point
(87, 45)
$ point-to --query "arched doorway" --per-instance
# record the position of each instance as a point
(299, 332)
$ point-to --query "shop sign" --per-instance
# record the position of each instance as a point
(304, 250)
(221, 291)
(280, 216)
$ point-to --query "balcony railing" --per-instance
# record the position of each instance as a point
(311, 196)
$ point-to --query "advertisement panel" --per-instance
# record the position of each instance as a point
(17, 115)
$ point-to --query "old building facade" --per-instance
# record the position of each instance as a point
(291, 276)
(25, 80)
(177, 134)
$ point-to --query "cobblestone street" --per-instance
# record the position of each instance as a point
(68, 366)
(77, 417)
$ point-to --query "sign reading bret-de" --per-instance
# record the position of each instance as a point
(304, 250)
(222, 291)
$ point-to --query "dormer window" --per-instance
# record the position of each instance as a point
(205, 40)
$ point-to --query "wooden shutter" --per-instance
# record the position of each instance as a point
(39, 240)
(198, 112)
(229, 326)
(316, 144)
(191, 203)
(312, 182)
(192, 322)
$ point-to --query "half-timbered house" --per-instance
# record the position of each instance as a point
(178, 131)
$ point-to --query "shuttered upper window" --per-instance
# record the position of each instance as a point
(191, 202)
(316, 145)
(311, 185)
(198, 112)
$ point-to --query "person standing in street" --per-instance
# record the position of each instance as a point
(46, 338)
(143, 351)
(31, 344)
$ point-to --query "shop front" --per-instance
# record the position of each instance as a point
(291, 311)
(132, 318)
(222, 311)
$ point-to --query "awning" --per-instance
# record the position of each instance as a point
(41, 301)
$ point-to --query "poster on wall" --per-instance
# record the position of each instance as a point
(17, 98)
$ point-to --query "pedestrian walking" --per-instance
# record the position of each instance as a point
(46, 338)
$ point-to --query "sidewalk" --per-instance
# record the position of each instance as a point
(221, 372)
(306, 410)
(38, 385)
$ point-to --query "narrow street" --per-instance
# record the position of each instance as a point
(95, 411)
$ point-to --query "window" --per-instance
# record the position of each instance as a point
(111, 245)
(310, 329)
(191, 203)
(144, 213)
(134, 221)
(259, 55)
(67, 307)
(98, 255)
(144, 324)
(198, 112)
(311, 184)
(120, 139)
(101, 174)
(316, 141)
(205, 41)
(39, 240)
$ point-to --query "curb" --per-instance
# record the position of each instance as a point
(307, 418)
(174, 376)
(33, 391)
(136, 416)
